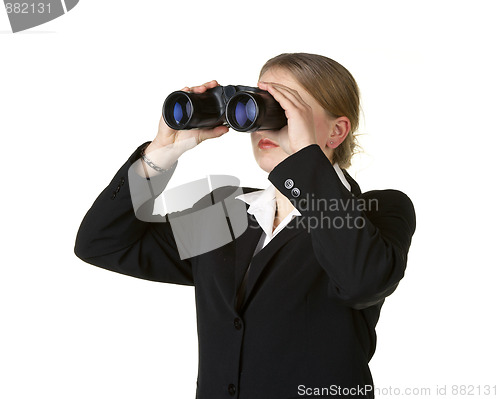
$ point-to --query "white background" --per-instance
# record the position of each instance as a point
(79, 94)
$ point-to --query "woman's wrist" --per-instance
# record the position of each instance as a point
(296, 147)
(158, 144)
(157, 158)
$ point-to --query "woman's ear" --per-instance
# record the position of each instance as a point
(340, 129)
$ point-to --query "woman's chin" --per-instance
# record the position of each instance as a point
(267, 168)
(267, 163)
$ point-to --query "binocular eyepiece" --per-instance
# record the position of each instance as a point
(243, 108)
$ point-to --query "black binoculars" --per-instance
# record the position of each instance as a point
(243, 108)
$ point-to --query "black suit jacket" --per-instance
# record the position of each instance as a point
(313, 294)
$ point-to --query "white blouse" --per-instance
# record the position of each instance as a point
(263, 207)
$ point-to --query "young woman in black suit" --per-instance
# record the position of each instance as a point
(288, 307)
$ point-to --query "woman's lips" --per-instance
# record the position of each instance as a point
(266, 143)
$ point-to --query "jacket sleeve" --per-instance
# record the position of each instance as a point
(115, 236)
(361, 242)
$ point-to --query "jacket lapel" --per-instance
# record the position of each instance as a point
(354, 185)
(244, 249)
(265, 255)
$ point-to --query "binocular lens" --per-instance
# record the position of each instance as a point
(243, 108)
(182, 110)
(245, 112)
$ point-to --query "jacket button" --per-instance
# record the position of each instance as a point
(237, 323)
(113, 196)
(295, 192)
(288, 183)
(231, 388)
(118, 189)
(122, 181)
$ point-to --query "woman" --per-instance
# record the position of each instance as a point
(282, 312)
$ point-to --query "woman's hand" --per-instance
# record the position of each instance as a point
(184, 140)
(301, 130)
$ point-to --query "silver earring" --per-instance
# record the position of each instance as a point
(331, 142)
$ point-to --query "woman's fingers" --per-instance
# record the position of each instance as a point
(288, 98)
(205, 134)
(202, 88)
(290, 94)
(300, 129)
(211, 84)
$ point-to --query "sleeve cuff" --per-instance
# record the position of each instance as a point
(308, 175)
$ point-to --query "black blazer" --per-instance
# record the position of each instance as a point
(313, 295)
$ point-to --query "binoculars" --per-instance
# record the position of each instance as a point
(243, 108)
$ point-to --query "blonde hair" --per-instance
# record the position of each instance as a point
(332, 86)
